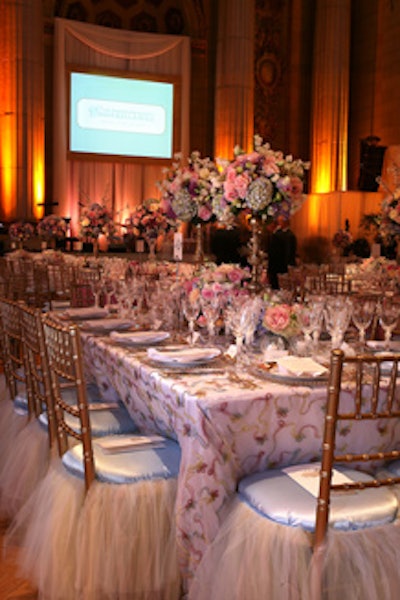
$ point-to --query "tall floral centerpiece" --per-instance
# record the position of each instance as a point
(20, 232)
(263, 183)
(149, 221)
(390, 220)
(95, 219)
(186, 193)
(52, 228)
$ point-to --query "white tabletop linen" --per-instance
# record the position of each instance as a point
(228, 425)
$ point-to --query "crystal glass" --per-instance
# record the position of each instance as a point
(337, 316)
(363, 310)
(96, 286)
(211, 309)
(191, 309)
(388, 318)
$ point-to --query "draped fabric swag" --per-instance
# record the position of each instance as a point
(122, 184)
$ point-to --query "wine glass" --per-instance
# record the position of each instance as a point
(211, 308)
(96, 287)
(362, 313)
(388, 318)
(241, 320)
(191, 309)
(307, 320)
(337, 314)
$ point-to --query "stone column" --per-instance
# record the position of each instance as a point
(234, 90)
(330, 96)
(21, 109)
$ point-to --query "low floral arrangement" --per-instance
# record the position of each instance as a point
(262, 183)
(52, 226)
(20, 231)
(186, 189)
(221, 279)
(281, 319)
(96, 219)
(149, 220)
(342, 239)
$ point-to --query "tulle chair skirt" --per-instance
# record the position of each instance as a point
(25, 465)
(253, 557)
(46, 530)
(11, 423)
(127, 542)
(117, 542)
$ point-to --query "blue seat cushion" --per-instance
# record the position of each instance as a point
(139, 463)
(108, 419)
(278, 496)
(21, 403)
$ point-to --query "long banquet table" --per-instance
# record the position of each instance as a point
(227, 425)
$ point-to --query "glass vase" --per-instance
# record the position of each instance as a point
(199, 250)
(152, 243)
(95, 248)
(255, 257)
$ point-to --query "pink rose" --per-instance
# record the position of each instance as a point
(235, 275)
(205, 213)
(277, 318)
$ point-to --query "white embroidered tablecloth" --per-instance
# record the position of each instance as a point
(227, 426)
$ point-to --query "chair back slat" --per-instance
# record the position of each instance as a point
(14, 357)
(64, 350)
(37, 365)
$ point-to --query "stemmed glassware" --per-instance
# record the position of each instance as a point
(211, 309)
(388, 318)
(337, 314)
(240, 319)
(363, 310)
(191, 309)
(96, 286)
(306, 316)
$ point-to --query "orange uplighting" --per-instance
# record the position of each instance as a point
(313, 213)
(322, 178)
(38, 188)
(7, 160)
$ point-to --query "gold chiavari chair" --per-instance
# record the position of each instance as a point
(28, 458)
(101, 523)
(81, 286)
(320, 531)
(18, 405)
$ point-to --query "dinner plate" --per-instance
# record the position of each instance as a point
(379, 346)
(181, 356)
(138, 338)
(106, 325)
(272, 373)
(84, 312)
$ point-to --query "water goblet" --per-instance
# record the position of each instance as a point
(191, 309)
(363, 310)
(96, 287)
(388, 318)
(211, 309)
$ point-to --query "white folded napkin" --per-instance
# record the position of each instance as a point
(300, 366)
(184, 354)
(85, 312)
(106, 324)
(139, 337)
(272, 354)
(125, 443)
(308, 476)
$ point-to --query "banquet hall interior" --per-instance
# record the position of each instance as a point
(107, 108)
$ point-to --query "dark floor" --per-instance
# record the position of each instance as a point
(12, 587)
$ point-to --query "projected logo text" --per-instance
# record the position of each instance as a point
(130, 117)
